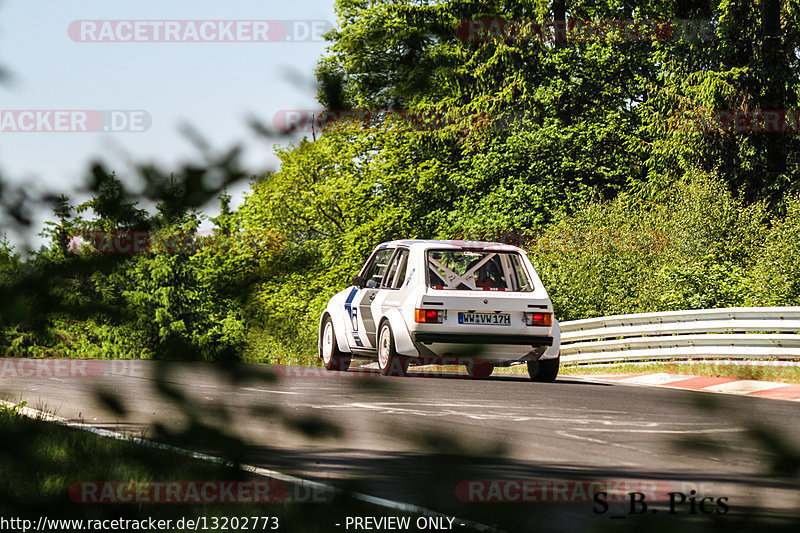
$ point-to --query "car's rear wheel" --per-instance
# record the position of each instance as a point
(389, 363)
(480, 370)
(545, 370)
(333, 358)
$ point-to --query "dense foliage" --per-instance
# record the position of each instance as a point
(124, 283)
(603, 150)
(596, 152)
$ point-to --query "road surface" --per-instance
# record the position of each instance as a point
(455, 445)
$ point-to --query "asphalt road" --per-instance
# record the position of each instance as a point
(449, 443)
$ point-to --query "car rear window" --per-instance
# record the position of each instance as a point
(477, 271)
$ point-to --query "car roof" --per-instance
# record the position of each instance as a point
(452, 244)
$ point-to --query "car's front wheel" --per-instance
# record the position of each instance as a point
(480, 370)
(545, 370)
(389, 363)
(333, 358)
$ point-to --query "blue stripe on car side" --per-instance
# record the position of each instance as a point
(352, 313)
(350, 296)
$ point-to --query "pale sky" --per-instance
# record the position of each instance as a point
(212, 86)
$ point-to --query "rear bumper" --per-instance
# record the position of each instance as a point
(478, 338)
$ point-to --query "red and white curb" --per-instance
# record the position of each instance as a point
(746, 387)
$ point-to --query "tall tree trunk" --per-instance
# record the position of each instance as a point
(773, 96)
(560, 29)
(560, 21)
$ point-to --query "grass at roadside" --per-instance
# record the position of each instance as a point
(44, 468)
(781, 374)
(265, 348)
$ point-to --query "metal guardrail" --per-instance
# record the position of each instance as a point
(770, 333)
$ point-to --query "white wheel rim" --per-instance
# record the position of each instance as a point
(383, 348)
(327, 343)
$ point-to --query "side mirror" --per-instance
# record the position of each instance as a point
(359, 282)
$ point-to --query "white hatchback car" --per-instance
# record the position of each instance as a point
(480, 304)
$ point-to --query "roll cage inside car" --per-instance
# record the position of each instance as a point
(461, 269)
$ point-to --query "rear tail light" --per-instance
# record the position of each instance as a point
(428, 316)
(538, 319)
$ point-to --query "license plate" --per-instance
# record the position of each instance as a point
(485, 319)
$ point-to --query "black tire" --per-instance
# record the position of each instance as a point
(389, 363)
(544, 371)
(480, 370)
(334, 359)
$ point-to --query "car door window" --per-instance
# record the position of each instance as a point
(376, 268)
(396, 267)
(402, 264)
(390, 272)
